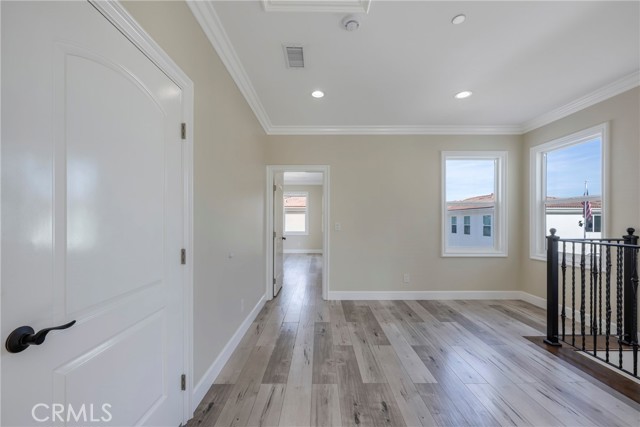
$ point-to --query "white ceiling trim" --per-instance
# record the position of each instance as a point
(208, 19)
(395, 130)
(612, 89)
(339, 6)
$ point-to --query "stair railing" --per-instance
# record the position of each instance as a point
(607, 269)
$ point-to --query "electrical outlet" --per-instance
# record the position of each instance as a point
(338, 226)
(406, 278)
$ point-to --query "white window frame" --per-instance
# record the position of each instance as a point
(291, 210)
(500, 217)
(538, 184)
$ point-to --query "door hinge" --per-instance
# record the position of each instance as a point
(183, 130)
(274, 188)
(183, 256)
(274, 280)
(274, 234)
(183, 382)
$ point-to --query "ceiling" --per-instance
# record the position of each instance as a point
(527, 63)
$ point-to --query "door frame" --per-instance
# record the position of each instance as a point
(271, 169)
(115, 13)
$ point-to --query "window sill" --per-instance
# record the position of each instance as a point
(537, 257)
(474, 255)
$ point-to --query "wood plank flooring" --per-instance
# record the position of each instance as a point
(310, 362)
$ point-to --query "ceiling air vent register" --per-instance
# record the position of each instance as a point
(294, 56)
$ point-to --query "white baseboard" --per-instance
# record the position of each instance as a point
(303, 251)
(423, 295)
(209, 377)
(533, 299)
(575, 314)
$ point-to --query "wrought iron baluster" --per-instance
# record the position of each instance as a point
(619, 302)
(634, 318)
(573, 294)
(593, 281)
(608, 303)
(564, 285)
(600, 290)
(591, 266)
(583, 284)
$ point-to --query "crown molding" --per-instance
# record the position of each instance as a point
(208, 19)
(612, 89)
(395, 130)
(332, 6)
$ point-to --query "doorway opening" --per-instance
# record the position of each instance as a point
(297, 207)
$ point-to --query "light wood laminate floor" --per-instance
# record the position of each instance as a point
(306, 361)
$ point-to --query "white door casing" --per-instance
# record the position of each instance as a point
(272, 171)
(278, 231)
(93, 220)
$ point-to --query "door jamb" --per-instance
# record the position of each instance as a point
(115, 13)
(271, 169)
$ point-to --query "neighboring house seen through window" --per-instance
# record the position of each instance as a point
(474, 187)
(568, 188)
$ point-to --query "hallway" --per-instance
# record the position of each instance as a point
(306, 361)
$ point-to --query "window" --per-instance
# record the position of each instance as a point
(486, 225)
(467, 225)
(568, 188)
(296, 212)
(474, 187)
(454, 224)
(595, 226)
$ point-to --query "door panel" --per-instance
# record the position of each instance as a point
(278, 228)
(73, 381)
(111, 215)
(92, 221)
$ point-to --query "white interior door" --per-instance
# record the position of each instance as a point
(278, 231)
(92, 222)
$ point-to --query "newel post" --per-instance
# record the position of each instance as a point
(552, 289)
(630, 322)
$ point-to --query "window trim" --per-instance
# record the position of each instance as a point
(292, 210)
(538, 184)
(500, 221)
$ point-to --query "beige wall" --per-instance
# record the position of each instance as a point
(228, 182)
(385, 192)
(313, 240)
(622, 112)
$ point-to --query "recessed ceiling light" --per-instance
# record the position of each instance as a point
(464, 94)
(458, 19)
(317, 94)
